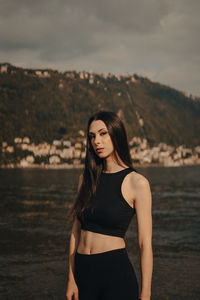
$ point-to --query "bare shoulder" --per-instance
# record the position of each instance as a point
(134, 185)
(138, 180)
(134, 182)
(141, 189)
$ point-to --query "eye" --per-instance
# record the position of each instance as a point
(103, 133)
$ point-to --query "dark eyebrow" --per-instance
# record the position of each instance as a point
(98, 130)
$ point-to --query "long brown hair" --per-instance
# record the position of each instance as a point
(94, 165)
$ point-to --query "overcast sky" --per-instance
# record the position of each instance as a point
(155, 38)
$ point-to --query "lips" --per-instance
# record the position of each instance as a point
(99, 149)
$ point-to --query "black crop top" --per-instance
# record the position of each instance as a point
(112, 213)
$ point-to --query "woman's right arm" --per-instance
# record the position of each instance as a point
(72, 288)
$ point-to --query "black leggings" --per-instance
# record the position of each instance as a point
(105, 276)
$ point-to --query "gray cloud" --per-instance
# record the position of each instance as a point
(159, 38)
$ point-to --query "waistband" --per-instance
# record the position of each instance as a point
(105, 253)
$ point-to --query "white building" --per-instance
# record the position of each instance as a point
(30, 159)
(67, 143)
(77, 153)
(57, 143)
(4, 68)
(26, 140)
(18, 140)
(10, 149)
(81, 132)
(54, 160)
(77, 146)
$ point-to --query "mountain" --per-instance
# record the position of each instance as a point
(46, 105)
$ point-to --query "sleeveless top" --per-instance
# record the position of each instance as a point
(112, 214)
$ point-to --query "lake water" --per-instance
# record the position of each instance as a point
(35, 235)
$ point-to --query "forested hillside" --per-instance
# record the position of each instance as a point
(46, 105)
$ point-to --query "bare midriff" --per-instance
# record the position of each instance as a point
(92, 242)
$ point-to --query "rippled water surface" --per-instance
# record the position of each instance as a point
(35, 234)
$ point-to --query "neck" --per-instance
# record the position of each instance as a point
(111, 165)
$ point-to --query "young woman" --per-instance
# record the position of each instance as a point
(110, 192)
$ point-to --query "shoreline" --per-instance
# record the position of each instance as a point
(81, 166)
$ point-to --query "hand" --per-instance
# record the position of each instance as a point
(72, 290)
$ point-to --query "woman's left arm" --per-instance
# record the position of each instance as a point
(143, 206)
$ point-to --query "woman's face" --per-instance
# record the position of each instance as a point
(100, 139)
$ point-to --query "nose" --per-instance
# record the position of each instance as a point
(97, 139)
